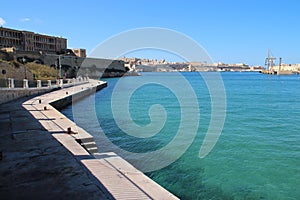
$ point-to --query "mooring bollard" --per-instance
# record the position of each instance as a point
(69, 131)
(25, 83)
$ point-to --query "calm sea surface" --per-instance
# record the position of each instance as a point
(257, 155)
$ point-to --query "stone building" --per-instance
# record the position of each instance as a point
(80, 52)
(30, 41)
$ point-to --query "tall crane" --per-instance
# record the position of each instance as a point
(270, 61)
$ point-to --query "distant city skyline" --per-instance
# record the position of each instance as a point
(231, 31)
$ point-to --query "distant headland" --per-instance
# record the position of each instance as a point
(22, 48)
(154, 65)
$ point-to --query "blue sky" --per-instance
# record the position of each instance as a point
(231, 31)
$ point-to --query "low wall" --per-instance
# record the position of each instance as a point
(7, 94)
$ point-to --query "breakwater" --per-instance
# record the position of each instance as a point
(33, 163)
(66, 100)
(57, 164)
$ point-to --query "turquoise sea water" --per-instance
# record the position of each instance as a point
(257, 155)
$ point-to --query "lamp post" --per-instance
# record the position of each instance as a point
(58, 67)
(25, 69)
(59, 61)
(75, 68)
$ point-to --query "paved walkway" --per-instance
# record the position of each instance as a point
(35, 165)
(40, 161)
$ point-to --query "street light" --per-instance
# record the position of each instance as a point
(58, 67)
(25, 69)
(59, 61)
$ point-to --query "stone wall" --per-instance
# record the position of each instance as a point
(14, 70)
(7, 95)
(71, 65)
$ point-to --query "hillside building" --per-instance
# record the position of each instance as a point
(30, 41)
(80, 52)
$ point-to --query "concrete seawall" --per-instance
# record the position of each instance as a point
(64, 101)
(39, 159)
(16, 93)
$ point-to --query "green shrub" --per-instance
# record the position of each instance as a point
(41, 72)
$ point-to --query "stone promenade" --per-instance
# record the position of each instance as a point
(34, 165)
(39, 160)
